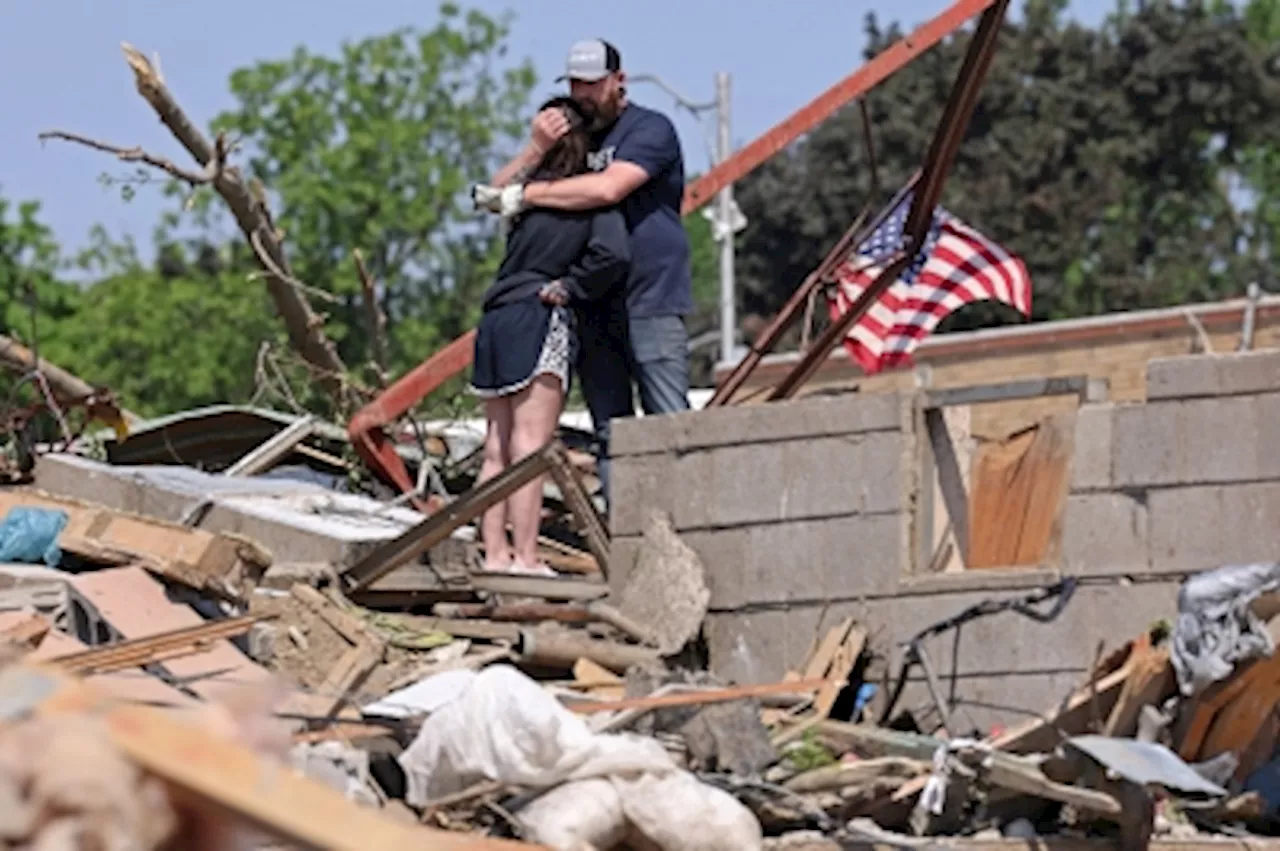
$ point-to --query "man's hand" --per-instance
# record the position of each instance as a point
(506, 201)
(554, 293)
(548, 127)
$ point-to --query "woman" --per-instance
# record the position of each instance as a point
(555, 261)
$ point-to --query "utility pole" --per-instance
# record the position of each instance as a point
(724, 226)
(726, 219)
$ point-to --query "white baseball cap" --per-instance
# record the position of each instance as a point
(591, 60)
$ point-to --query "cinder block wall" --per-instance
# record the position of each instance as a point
(802, 512)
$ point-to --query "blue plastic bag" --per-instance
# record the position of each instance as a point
(29, 535)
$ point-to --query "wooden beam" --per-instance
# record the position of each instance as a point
(1006, 391)
(439, 526)
(137, 652)
(950, 480)
(579, 502)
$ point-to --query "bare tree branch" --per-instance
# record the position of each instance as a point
(260, 251)
(306, 331)
(66, 386)
(377, 319)
(137, 155)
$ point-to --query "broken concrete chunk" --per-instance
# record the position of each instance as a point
(338, 766)
(729, 737)
(262, 642)
(284, 575)
(667, 591)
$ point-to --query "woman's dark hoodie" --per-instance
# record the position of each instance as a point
(588, 251)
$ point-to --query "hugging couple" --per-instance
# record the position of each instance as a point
(595, 281)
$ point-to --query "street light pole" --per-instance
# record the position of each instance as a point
(728, 321)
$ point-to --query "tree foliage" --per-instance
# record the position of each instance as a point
(1107, 157)
(376, 149)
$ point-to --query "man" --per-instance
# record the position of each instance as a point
(637, 163)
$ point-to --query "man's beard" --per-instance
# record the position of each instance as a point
(600, 116)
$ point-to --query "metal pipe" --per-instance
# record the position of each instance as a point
(728, 322)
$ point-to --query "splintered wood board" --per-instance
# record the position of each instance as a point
(136, 606)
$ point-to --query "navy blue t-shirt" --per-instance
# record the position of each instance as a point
(660, 281)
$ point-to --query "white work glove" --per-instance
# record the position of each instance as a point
(506, 201)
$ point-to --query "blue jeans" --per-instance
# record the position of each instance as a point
(649, 352)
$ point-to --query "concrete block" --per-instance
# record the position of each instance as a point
(624, 553)
(1144, 445)
(985, 703)
(1220, 440)
(792, 420)
(1196, 441)
(638, 485)
(1202, 527)
(81, 478)
(760, 647)
(802, 561)
(1105, 533)
(329, 527)
(792, 480)
(295, 521)
(1091, 463)
(1208, 375)
(1007, 642)
(283, 575)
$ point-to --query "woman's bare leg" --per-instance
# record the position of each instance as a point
(498, 414)
(536, 412)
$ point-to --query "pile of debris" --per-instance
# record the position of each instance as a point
(225, 657)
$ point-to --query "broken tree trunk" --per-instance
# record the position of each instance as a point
(305, 328)
(65, 385)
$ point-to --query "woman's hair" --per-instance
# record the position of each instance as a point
(569, 155)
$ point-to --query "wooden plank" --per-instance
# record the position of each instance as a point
(836, 676)
(133, 685)
(1019, 489)
(1150, 681)
(579, 502)
(344, 623)
(546, 587)
(950, 479)
(136, 606)
(1237, 721)
(268, 453)
(224, 776)
(412, 543)
(153, 648)
(1005, 391)
(696, 698)
(26, 630)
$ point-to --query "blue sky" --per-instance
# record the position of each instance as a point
(62, 67)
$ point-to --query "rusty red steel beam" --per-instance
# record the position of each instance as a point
(942, 152)
(366, 428)
(861, 81)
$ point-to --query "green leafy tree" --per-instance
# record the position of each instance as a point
(34, 300)
(1102, 155)
(375, 149)
(183, 334)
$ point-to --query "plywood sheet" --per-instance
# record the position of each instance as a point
(1019, 488)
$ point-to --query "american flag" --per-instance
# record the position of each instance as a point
(957, 266)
